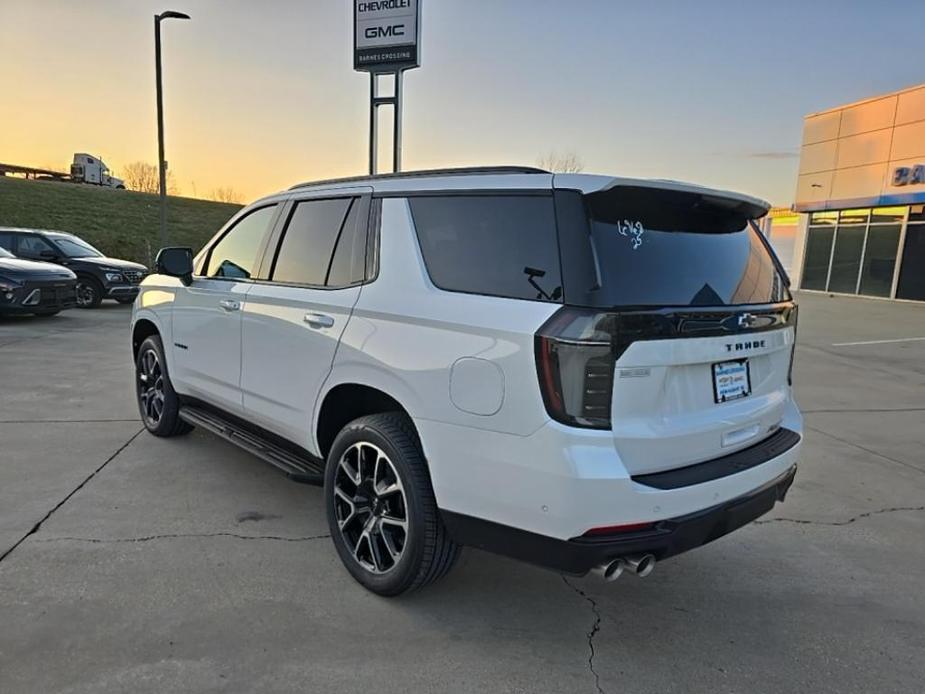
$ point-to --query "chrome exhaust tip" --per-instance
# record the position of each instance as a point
(640, 564)
(610, 571)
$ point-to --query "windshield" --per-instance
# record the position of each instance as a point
(73, 247)
(663, 248)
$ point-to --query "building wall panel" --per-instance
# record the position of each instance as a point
(911, 106)
(862, 150)
(857, 182)
(909, 141)
(821, 127)
(818, 157)
(863, 118)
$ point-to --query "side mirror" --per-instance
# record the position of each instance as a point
(175, 262)
(50, 255)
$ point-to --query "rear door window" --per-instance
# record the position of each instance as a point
(309, 241)
(665, 248)
(32, 246)
(498, 245)
(348, 266)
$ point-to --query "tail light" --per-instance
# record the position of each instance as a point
(575, 364)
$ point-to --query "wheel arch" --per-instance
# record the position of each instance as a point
(83, 273)
(142, 329)
(346, 401)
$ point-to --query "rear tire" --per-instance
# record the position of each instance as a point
(376, 478)
(89, 292)
(158, 403)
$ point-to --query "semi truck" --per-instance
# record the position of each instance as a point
(85, 168)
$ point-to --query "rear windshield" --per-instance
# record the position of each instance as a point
(671, 249)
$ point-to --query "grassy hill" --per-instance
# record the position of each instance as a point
(120, 223)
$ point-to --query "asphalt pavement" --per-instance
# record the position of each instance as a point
(136, 564)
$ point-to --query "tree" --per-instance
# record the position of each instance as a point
(141, 176)
(145, 178)
(569, 162)
(226, 194)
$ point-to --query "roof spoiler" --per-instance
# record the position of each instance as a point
(674, 193)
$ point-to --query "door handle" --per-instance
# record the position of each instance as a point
(319, 320)
(229, 304)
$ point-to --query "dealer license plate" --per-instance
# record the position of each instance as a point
(731, 380)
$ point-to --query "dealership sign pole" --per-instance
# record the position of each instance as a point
(386, 40)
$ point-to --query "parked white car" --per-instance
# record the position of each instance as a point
(580, 371)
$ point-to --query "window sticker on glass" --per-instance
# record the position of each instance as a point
(633, 230)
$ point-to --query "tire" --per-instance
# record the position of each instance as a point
(158, 403)
(124, 300)
(44, 314)
(89, 292)
(362, 517)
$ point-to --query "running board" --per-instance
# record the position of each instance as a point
(297, 468)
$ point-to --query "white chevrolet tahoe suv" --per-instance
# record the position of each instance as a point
(579, 371)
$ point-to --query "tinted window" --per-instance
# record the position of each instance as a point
(911, 278)
(846, 259)
(349, 263)
(656, 248)
(32, 246)
(235, 256)
(816, 261)
(670, 268)
(6, 241)
(308, 243)
(880, 259)
(73, 247)
(497, 245)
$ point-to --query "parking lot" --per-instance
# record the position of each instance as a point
(136, 564)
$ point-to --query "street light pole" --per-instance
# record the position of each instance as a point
(161, 163)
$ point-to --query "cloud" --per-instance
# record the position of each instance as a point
(773, 154)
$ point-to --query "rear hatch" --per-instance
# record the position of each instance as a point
(678, 327)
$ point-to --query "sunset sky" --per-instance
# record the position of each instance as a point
(261, 95)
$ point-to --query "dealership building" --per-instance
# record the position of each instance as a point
(861, 199)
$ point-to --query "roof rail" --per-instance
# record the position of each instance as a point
(461, 171)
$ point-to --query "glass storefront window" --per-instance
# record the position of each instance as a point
(846, 259)
(858, 251)
(880, 259)
(816, 262)
(853, 217)
(823, 218)
(887, 215)
(912, 273)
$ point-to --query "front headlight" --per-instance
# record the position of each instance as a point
(113, 277)
(8, 285)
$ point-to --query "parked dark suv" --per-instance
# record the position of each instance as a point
(98, 277)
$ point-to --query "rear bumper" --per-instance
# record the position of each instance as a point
(579, 555)
(562, 481)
